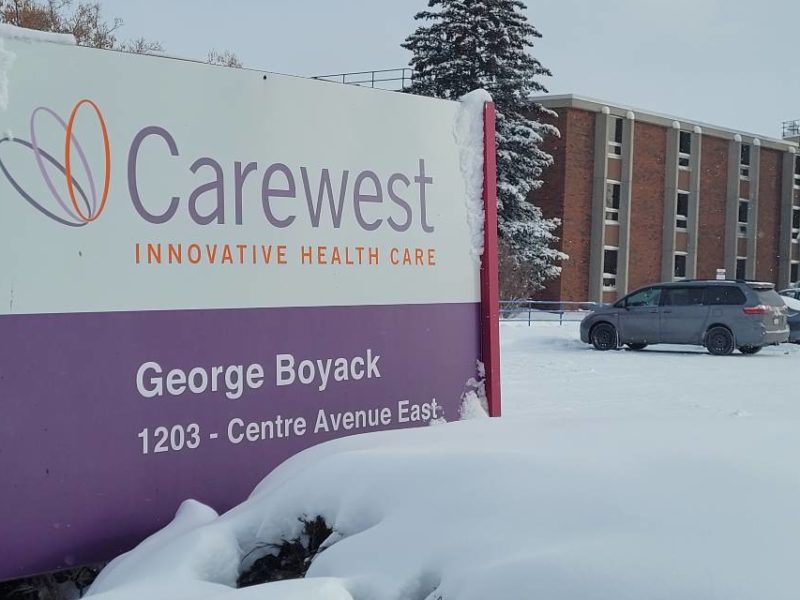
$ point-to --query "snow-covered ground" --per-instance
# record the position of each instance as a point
(617, 476)
(548, 372)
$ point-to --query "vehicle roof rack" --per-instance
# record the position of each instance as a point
(750, 282)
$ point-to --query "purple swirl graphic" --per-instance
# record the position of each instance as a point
(38, 154)
(67, 214)
(30, 198)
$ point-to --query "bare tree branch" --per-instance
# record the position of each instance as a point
(83, 20)
(225, 58)
(141, 46)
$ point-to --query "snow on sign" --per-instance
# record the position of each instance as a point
(204, 271)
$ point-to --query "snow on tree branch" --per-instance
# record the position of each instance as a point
(463, 45)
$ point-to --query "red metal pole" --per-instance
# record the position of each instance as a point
(490, 294)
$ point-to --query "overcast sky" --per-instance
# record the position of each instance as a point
(726, 62)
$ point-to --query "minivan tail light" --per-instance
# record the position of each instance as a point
(756, 310)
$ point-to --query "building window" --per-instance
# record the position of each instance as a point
(745, 154)
(744, 162)
(684, 149)
(682, 211)
(685, 146)
(615, 143)
(741, 267)
(613, 191)
(743, 218)
(679, 266)
(795, 223)
(794, 276)
(610, 255)
(797, 171)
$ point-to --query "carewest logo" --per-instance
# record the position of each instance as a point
(77, 208)
(225, 192)
(317, 197)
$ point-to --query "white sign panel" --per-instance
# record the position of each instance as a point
(219, 195)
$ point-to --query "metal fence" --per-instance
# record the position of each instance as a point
(790, 128)
(531, 311)
(385, 79)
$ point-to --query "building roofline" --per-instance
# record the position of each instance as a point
(648, 116)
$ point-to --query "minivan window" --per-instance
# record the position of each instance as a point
(683, 296)
(769, 297)
(723, 295)
(648, 297)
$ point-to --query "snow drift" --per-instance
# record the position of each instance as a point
(13, 32)
(500, 509)
(7, 57)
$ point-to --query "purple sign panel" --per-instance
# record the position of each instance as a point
(110, 420)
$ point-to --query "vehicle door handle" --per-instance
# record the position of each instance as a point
(666, 312)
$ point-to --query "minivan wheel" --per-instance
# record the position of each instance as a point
(636, 346)
(604, 336)
(750, 349)
(719, 341)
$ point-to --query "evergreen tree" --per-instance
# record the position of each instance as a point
(468, 44)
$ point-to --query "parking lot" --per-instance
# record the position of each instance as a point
(548, 372)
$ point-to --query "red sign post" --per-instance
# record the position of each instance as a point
(490, 294)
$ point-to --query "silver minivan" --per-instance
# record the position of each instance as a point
(720, 315)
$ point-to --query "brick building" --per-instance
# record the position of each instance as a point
(645, 197)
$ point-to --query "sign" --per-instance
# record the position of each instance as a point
(204, 271)
(721, 274)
